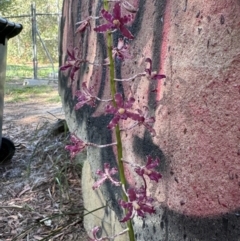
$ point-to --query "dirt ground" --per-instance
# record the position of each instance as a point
(40, 196)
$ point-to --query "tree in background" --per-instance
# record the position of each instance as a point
(20, 48)
(4, 5)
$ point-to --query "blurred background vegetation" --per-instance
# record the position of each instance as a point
(20, 51)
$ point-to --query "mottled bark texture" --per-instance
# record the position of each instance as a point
(197, 110)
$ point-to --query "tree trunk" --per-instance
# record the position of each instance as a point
(197, 111)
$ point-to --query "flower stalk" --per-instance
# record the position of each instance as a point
(117, 129)
(135, 201)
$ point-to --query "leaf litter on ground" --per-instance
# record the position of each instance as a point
(40, 186)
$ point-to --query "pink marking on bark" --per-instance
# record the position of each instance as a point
(164, 47)
(199, 121)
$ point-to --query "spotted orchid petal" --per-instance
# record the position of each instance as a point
(85, 96)
(121, 111)
(148, 169)
(152, 75)
(77, 146)
(138, 204)
(106, 175)
(115, 21)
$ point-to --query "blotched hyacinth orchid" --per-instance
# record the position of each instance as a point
(72, 63)
(145, 120)
(77, 146)
(115, 21)
(138, 203)
(148, 169)
(152, 75)
(128, 6)
(121, 111)
(83, 25)
(95, 238)
(94, 233)
(122, 50)
(84, 96)
(106, 174)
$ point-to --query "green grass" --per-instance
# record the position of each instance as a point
(26, 93)
(54, 99)
(26, 71)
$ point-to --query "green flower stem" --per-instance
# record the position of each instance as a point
(117, 129)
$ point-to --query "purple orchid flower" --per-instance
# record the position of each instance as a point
(94, 233)
(95, 238)
(145, 120)
(84, 96)
(107, 174)
(72, 63)
(152, 75)
(148, 169)
(138, 204)
(83, 25)
(115, 21)
(78, 146)
(121, 110)
(129, 7)
(122, 50)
